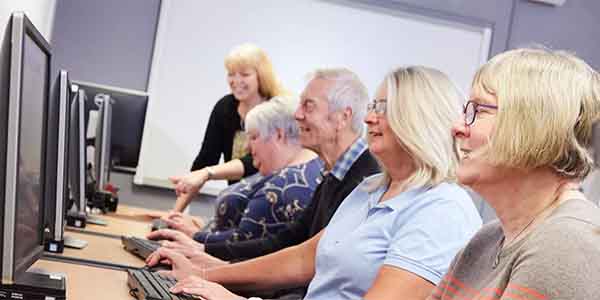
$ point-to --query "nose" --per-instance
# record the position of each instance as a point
(299, 114)
(371, 118)
(460, 129)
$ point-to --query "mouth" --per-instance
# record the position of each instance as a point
(304, 129)
(374, 134)
(465, 153)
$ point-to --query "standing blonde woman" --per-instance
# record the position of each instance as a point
(523, 136)
(252, 80)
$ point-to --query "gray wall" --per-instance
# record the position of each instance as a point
(575, 26)
(108, 42)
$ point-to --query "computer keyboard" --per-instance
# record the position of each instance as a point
(146, 285)
(140, 247)
(158, 224)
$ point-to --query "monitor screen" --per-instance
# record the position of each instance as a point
(128, 117)
(56, 189)
(23, 126)
(77, 154)
(34, 94)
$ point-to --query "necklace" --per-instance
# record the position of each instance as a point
(516, 237)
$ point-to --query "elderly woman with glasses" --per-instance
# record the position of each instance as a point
(393, 236)
(523, 138)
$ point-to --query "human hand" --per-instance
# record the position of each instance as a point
(181, 267)
(175, 237)
(197, 286)
(183, 222)
(196, 255)
(189, 183)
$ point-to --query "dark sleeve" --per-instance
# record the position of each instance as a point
(213, 143)
(249, 168)
(294, 234)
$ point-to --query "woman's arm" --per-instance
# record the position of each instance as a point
(396, 283)
(188, 185)
(290, 267)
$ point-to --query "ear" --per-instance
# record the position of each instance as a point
(345, 118)
(280, 135)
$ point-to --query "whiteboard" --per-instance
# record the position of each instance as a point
(188, 76)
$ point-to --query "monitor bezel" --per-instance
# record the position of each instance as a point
(21, 26)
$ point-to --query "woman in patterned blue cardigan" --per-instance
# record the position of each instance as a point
(268, 201)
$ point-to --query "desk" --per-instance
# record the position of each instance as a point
(103, 249)
(89, 283)
(86, 282)
(127, 220)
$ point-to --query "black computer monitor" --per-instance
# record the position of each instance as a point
(102, 155)
(77, 152)
(128, 117)
(23, 114)
(56, 191)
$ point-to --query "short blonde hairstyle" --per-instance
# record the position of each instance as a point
(547, 104)
(250, 55)
(422, 105)
(277, 113)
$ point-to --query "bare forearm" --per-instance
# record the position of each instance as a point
(231, 170)
(290, 267)
(182, 202)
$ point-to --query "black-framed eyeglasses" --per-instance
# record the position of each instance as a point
(379, 106)
(471, 109)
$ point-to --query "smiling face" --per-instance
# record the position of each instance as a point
(263, 150)
(316, 123)
(243, 83)
(473, 141)
(383, 142)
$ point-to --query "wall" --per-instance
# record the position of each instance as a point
(575, 26)
(108, 42)
(40, 12)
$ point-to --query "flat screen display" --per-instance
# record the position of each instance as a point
(34, 91)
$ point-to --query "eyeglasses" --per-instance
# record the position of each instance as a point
(379, 106)
(472, 108)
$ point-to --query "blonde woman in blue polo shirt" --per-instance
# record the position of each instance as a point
(394, 236)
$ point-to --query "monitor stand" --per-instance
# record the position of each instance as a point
(95, 220)
(75, 243)
(36, 286)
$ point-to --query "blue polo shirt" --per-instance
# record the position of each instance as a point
(419, 230)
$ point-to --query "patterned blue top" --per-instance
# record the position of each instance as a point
(259, 206)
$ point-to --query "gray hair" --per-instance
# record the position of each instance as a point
(347, 91)
(277, 113)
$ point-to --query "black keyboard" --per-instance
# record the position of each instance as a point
(158, 224)
(140, 247)
(146, 285)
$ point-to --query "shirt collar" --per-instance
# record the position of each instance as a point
(396, 203)
(343, 164)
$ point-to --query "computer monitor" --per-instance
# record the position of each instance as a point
(128, 117)
(102, 161)
(56, 162)
(77, 153)
(23, 115)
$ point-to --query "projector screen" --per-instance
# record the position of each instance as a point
(193, 37)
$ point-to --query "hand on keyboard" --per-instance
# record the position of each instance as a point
(199, 287)
(176, 238)
(181, 266)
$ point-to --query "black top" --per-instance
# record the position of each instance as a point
(327, 198)
(224, 122)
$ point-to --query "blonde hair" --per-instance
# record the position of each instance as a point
(547, 104)
(422, 105)
(250, 55)
(277, 113)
